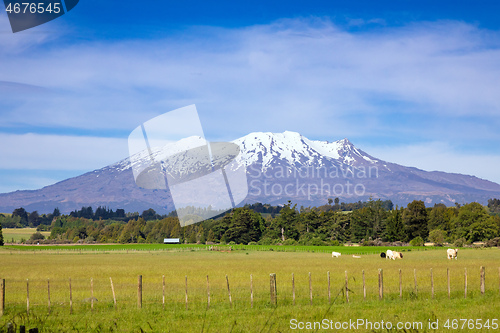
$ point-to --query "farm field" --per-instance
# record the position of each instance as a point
(415, 306)
(17, 234)
(349, 250)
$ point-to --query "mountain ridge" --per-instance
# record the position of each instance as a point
(270, 159)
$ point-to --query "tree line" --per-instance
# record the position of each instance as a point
(373, 222)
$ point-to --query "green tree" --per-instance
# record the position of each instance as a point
(416, 220)
(192, 235)
(474, 223)
(34, 219)
(21, 212)
(494, 206)
(483, 230)
(200, 236)
(149, 214)
(1, 235)
(37, 236)
(286, 223)
(437, 236)
(245, 226)
(417, 241)
(132, 232)
(395, 229)
(211, 236)
(368, 222)
(56, 212)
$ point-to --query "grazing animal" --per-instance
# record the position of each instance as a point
(389, 255)
(336, 254)
(357, 257)
(397, 255)
(393, 255)
(452, 253)
(382, 255)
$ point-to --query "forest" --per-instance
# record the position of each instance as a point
(373, 222)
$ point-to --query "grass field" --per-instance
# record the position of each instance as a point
(17, 234)
(415, 305)
(349, 250)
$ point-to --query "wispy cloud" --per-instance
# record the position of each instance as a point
(58, 152)
(393, 85)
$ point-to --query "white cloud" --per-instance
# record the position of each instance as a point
(289, 70)
(434, 81)
(57, 152)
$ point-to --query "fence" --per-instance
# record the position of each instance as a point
(94, 294)
(116, 249)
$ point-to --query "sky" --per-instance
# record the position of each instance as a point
(410, 82)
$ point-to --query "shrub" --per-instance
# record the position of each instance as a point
(290, 241)
(90, 240)
(37, 236)
(268, 241)
(437, 236)
(493, 242)
(417, 241)
(459, 242)
(316, 242)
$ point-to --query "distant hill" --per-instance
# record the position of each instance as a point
(280, 167)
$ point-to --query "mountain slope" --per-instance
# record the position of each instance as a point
(280, 167)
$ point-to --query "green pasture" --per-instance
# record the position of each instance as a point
(346, 250)
(41, 268)
(20, 233)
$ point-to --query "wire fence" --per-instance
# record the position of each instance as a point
(238, 291)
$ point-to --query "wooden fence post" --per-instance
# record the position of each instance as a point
(310, 289)
(27, 297)
(329, 293)
(346, 288)
(113, 290)
(251, 291)
(364, 286)
(400, 284)
(272, 290)
(70, 298)
(48, 294)
(163, 290)
(208, 293)
(465, 283)
(448, 278)
(186, 292)
(293, 288)
(482, 280)
(91, 294)
(139, 291)
(229, 292)
(432, 284)
(380, 283)
(415, 279)
(2, 296)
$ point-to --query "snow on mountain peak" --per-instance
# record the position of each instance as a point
(266, 148)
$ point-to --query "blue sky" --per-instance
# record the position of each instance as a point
(411, 82)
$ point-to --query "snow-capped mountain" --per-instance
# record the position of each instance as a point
(279, 166)
(298, 151)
